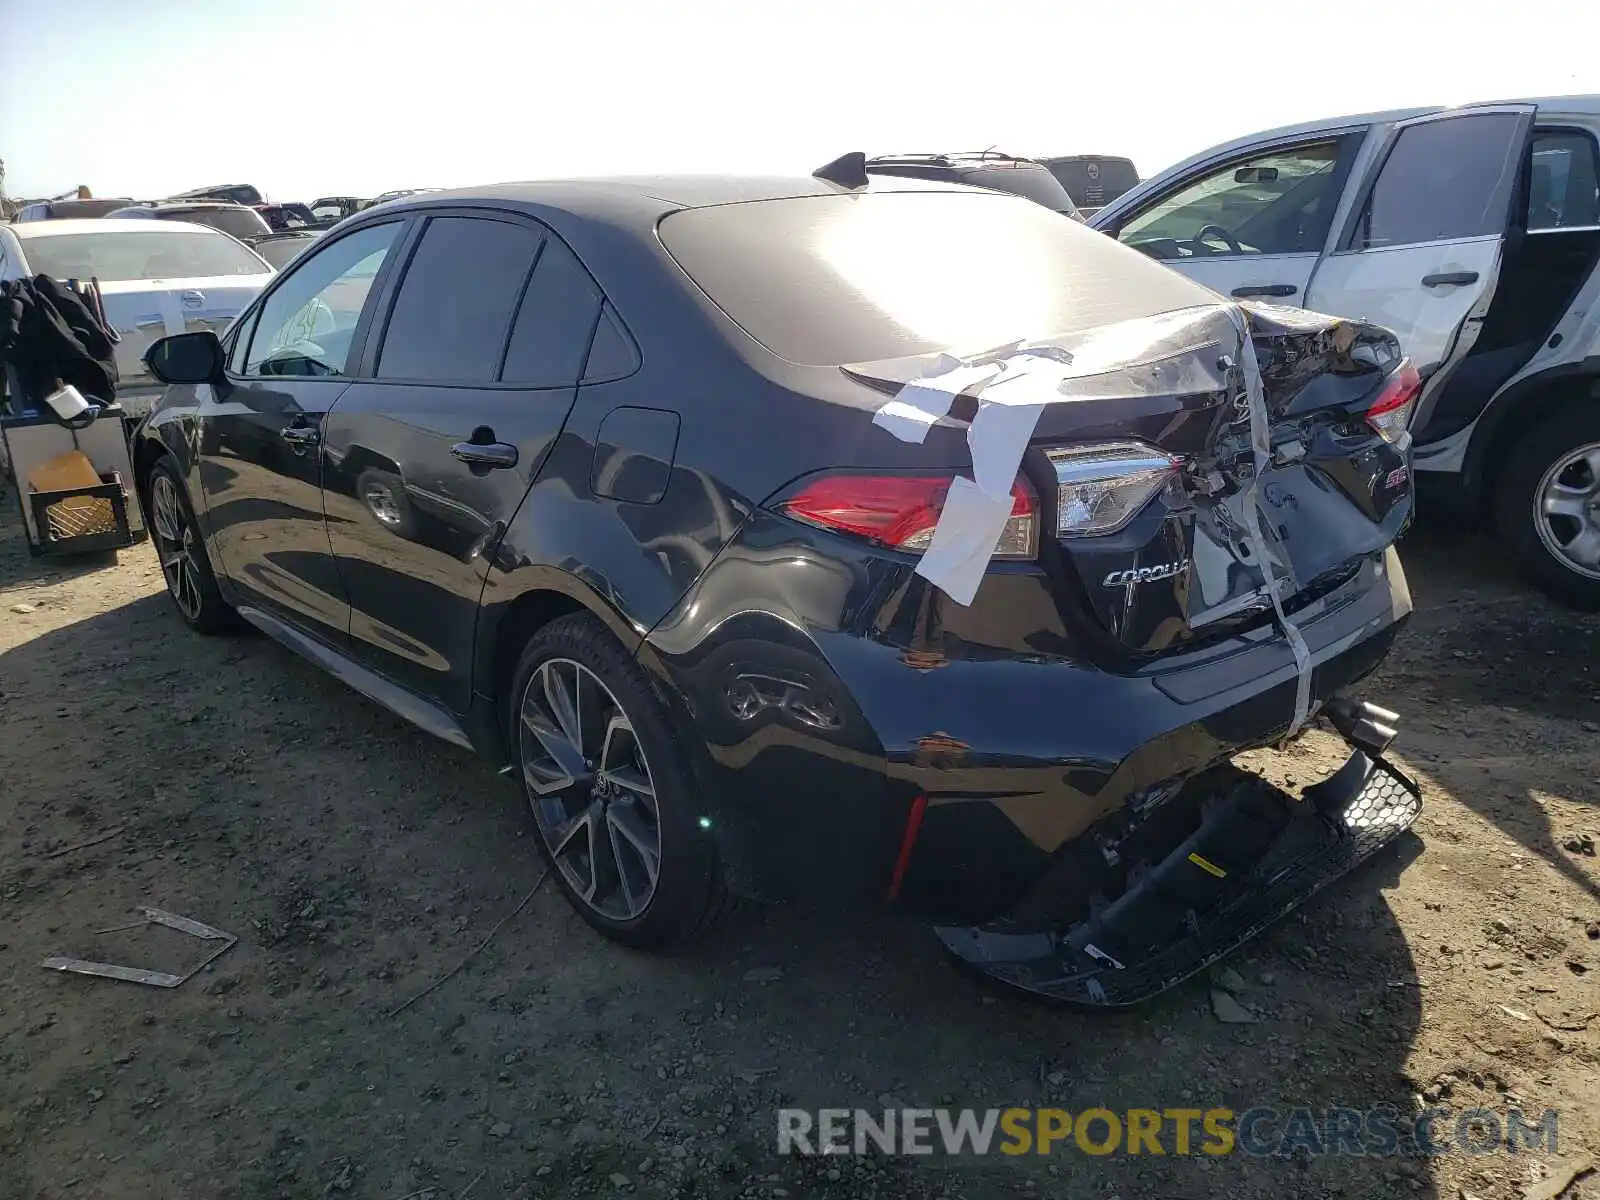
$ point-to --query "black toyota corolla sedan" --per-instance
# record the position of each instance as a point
(604, 480)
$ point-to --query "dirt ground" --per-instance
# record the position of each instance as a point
(358, 861)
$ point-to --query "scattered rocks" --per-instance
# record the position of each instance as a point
(1562, 1176)
(763, 975)
(1228, 980)
(500, 1129)
(1228, 1010)
(1581, 844)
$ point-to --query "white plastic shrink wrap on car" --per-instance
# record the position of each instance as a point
(1192, 350)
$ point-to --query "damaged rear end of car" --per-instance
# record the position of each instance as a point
(992, 655)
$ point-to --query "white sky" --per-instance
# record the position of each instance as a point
(319, 97)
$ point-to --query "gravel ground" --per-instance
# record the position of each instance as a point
(359, 861)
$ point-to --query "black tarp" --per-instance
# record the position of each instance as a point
(51, 335)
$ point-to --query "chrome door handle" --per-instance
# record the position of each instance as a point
(300, 435)
(490, 454)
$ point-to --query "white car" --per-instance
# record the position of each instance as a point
(1474, 234)
(157, 278)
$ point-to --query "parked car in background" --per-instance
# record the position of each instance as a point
(232, 193)
(156, 278)
(235, 220)
(1473, 233)
(330, 210)
(280, 249)
(1093, 180)
(488, 456)
(69, 210)
(286, 216)
(986, 169)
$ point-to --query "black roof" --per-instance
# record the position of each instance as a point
(642, 200)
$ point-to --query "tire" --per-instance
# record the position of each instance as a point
(594, 831)
(191, 584)
(384, 496)
(1557, 462)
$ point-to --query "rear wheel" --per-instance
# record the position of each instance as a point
(612, 799)
(182, 552)
(1547, 506)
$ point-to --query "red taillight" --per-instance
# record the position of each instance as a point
(1390, 413)
(901, 511)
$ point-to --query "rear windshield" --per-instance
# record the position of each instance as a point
(279, 251)
(830, 280)
(241, 222)
(138, 254)
(1036, 183)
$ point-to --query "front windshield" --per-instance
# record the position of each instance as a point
(139, 253)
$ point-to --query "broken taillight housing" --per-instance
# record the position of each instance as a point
(901, 511)
(1390, 413)
(1101, 488)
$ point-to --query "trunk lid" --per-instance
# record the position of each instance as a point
(1183, 568)
(143, 311)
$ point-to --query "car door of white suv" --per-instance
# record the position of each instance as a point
(1421, 250)
(1250, 224)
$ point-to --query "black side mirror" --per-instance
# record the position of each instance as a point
(186, 358)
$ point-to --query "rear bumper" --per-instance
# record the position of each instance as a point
(1332, 828)
(826, 722)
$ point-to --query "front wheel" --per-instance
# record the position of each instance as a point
(1547, 506)
(182, 552)
(613, 800)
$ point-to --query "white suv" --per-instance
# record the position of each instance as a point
(1473, 233)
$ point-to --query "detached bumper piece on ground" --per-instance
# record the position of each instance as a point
(1258, 853)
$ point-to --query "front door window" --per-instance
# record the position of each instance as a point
(309, 321)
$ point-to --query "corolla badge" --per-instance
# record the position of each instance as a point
(1149, 574)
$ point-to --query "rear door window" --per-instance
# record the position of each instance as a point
(554, 323)
(456, 302)
(872, 275)
(1563, 181)
(1444, 179)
